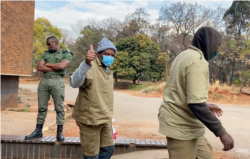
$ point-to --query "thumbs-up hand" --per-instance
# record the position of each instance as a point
(90, 55)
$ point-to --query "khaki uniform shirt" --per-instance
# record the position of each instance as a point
(56, 58)
(188, 82)
(94, 103)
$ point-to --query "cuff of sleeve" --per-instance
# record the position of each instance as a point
(84, 65)
(220, 131)
(196, 101)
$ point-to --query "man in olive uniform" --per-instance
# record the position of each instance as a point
(93, 110)
(53, 64)
(184, 112)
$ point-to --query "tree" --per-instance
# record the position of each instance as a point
(67, 38)
(244, 57)
(135, 23)
(136, 56)
(158, 64)
(184, 19)
(88, 36)
(237, 17)
(111, 28)
(121, 66)
(160, 33)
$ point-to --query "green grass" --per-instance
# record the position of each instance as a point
(144, 87)
(152, 89)
(19, 99)
(141, 86)
(25, 110)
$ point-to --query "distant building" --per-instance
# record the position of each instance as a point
(17, 25)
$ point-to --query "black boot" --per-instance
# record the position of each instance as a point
(37, 133)
(59, 135)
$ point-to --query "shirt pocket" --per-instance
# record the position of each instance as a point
(59, 58)
(47, 58)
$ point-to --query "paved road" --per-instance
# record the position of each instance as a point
(131, 109)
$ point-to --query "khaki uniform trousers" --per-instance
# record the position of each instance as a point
(95, 136)
(51, 85)
(189, 149)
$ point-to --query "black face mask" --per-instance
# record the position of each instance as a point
(53, 49)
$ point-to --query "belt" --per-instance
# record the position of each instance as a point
(51, 76)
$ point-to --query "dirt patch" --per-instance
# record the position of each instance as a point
(217, 96)
(28, 102)
(225, 155)
(138, 131)
(70, 129)
(29, 80)
(32, 80)
(140, 94)
(222, 96)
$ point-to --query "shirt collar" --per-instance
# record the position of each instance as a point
(196, 49)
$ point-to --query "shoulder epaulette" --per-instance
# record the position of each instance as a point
(67, 51)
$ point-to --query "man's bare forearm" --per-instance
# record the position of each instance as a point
(58, 66)
(54, 66)
(45, 69)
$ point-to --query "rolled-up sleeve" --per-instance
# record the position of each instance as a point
(68, 56)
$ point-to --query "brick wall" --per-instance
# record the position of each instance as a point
(17, 22)
(9, 91)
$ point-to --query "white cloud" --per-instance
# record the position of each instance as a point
(69, 15)
(154, 15)
(156, 1)
(63, 17)
(139, 3)
(210, 3)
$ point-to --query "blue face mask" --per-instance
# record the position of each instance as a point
(214, 54)
(107, 60)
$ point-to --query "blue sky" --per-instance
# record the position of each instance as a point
(64, 14)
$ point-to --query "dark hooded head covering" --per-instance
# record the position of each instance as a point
(207, 39)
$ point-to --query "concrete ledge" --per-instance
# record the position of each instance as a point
(47, 147)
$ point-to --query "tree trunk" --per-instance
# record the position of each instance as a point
(215, 77)
(116, 79)
(134, 81)
(136, 78)
(241, 82)
(233, 70)
(227, 77)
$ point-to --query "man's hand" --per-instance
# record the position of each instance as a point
(90, 55)
(227, 141)
(215, 109)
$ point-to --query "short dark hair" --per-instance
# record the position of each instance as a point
(52, 38)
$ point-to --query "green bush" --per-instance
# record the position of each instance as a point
(19, 99)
